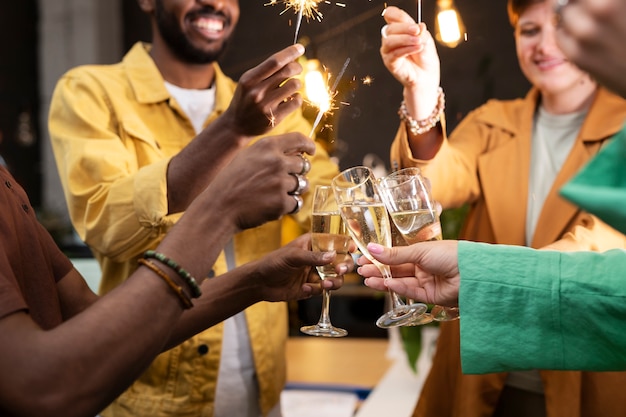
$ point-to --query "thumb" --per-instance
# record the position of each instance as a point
(311, 258)
(392, 256)
(323, 258)
(379, 252)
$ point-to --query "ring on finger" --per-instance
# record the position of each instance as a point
(306, 165)
(301, 185)
(383, 31)
(299, 203)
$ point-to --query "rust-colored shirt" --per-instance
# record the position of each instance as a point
(31, 264)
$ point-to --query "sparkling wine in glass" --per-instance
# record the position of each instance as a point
(367, 220)
(328, 233)
(407, 196)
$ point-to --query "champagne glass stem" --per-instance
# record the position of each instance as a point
(324, 320)
(396, 301)
(399, 314)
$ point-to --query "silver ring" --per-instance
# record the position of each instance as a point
(306, 165)
(383, 31)
(299, 203)
(301, 186)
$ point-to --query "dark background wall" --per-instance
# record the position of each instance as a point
(484, 67)
(19, 94)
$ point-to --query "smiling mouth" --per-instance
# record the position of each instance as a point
(549, 63)
(209, 26)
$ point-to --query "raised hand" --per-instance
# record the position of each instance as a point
(409, 53)
(267, 93)
(426, 271)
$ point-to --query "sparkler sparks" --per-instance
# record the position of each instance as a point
(272, 119)
(367, 80)
(303, 8)
(328, 106)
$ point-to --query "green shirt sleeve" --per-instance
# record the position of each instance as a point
(528, 309)
(600, 187)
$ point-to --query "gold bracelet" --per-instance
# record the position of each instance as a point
(184, 298)
(419, 127)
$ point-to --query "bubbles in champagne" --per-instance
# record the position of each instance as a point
(367, 222)
(328, 233)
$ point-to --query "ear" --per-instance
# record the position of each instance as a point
(147, 6)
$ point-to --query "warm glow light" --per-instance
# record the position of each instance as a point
(316, 90)
(449, 26)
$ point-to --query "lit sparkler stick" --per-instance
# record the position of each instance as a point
(325, 107)
(298, 23)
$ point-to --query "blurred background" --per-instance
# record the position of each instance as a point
(43, 39)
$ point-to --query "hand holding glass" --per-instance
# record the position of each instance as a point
(328, 233)
(412, 209)
(367, 220)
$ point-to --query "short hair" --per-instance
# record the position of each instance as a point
(517, 7)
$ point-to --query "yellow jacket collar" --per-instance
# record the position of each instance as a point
(148, 84)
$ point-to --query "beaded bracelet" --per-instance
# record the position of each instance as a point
(419, 127)
(186, 276)
(184, 298)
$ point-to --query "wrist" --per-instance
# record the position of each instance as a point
(419, 126)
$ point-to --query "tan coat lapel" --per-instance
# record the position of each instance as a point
(605, 117)
(504, 170)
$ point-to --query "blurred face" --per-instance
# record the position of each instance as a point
(540, 59)
(197, 31)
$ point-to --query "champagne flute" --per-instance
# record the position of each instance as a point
(367, 221)
(398, 240)
(328, 233)
(407, 197)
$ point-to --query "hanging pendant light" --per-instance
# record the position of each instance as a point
(449, 28)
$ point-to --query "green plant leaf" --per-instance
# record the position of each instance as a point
(412, 343)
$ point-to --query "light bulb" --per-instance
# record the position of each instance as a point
(449, 27)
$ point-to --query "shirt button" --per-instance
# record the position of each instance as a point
(25, 208)
(211, 273)
(8, 184)
(203, 350)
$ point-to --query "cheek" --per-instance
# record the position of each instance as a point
(524, 58)
(234, 11)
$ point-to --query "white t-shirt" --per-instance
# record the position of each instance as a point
(552, 141)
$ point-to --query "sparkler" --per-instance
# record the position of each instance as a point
(303, 8)
(326, 107)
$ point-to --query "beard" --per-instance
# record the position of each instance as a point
(179, 44)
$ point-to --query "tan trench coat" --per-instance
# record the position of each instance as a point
(486, 162)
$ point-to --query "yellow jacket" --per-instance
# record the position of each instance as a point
(486, 162)
(114, 129)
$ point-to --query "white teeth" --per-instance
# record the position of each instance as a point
(209, 25)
